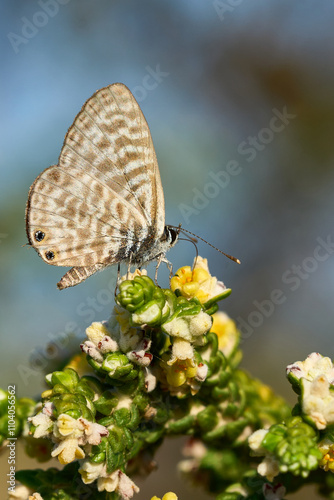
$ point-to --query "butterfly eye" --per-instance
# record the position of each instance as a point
(39, 235)
(49, 255)
(174, 235)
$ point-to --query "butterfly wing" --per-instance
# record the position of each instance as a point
(105, 196)
(111, 139)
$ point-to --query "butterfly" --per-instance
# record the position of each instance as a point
(103, 202)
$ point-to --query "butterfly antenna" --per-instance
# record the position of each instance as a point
(193, 241)
(220, 251)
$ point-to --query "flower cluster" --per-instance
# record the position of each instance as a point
(198, 282)
(313, 380)
(167, 363)
(72, 416)
(303, 442)
(156, 343)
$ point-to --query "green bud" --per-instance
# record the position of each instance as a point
(117, 362)
(294, 443)
(149, 314)
(65, 381)
(73, 405)
(131, 295)
(135, 293)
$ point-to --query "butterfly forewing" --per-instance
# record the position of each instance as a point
(104, 199)
(111, 135)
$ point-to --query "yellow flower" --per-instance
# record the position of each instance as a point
(197, 282)
(327, 449)
(226, 331)
(184, 280)
(67, 425)
(179, 371)
(167, 496)
(68, 450)
(90, 472)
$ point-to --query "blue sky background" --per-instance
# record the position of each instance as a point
(226, 72)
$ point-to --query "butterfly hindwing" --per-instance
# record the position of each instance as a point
(65, 229)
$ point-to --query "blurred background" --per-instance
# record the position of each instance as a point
(239, 98)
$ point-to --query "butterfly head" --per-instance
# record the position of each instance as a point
(171, 235)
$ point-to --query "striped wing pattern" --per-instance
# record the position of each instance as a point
(104, 199)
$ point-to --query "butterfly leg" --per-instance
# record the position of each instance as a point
(118, 279)
(170, 268)
(160, 259)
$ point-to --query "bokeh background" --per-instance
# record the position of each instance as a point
(239, 98)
